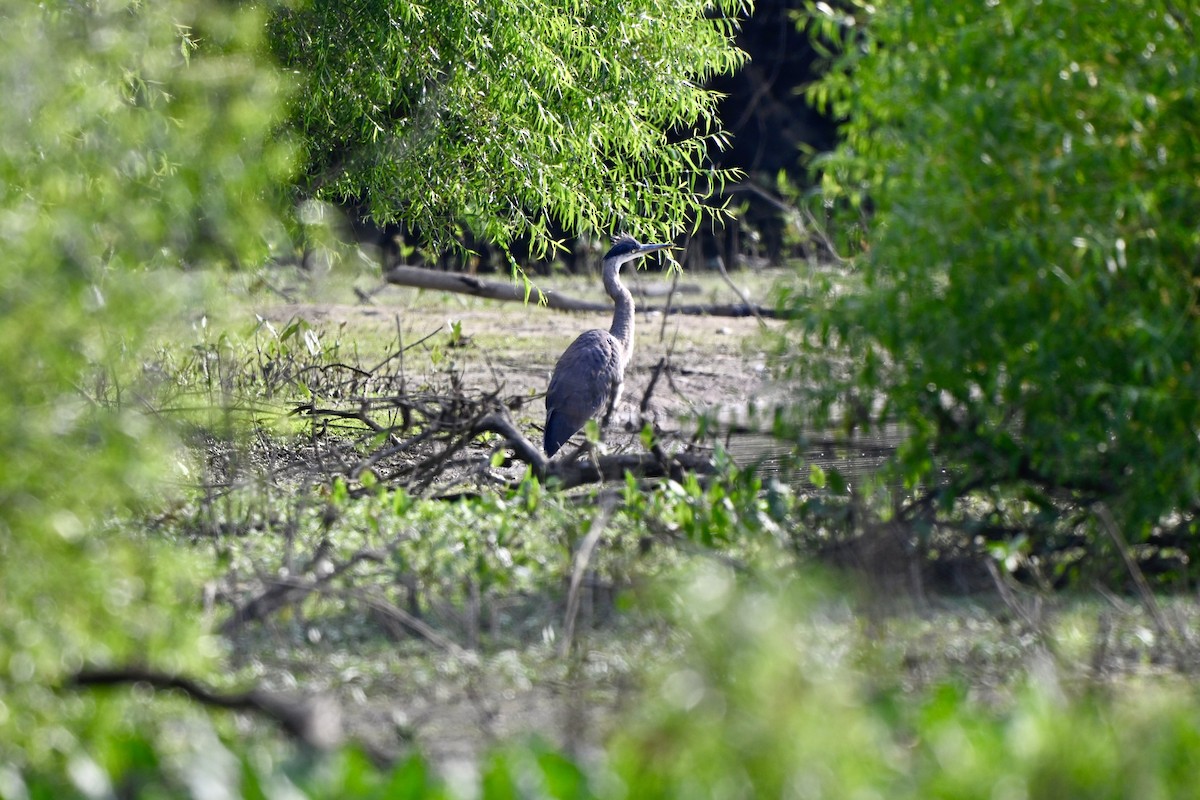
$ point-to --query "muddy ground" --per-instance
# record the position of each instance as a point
(715, 362)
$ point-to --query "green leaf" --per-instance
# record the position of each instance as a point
(562, 778)
(816, 476)
(411, 780)
(647, 436)
(537, 93)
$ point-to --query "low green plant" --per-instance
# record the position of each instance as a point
(731, 511)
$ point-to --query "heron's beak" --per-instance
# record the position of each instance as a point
(651, 248)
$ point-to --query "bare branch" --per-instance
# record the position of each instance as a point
(1166, 631)
(583, 557)
(314, 721)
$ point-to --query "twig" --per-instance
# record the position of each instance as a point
(408, 622)
(655, 445)
(313, 410)
(757, 311)
(583, 557)
(1165, 631)
(830, 247)
(403, 348)
(662, 328)
(1031, 617)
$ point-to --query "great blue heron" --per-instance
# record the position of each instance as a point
(590, 374)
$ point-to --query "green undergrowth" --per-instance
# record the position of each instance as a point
(707, 657)
(769, 684)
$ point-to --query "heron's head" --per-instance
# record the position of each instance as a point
(626, 248)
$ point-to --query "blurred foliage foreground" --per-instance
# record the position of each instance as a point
(138, 138)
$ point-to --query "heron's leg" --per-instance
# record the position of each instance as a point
(614, 397)
(587, 449)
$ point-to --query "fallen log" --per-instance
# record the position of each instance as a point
(612, 468)
(417, 278)
(601, 469)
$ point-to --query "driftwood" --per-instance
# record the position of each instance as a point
(418, 278)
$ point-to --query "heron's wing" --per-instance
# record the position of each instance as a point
(582, 385)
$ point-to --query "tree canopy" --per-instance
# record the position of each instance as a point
(515, 119)
(1029, 296)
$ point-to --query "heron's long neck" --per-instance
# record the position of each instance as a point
(622, 324)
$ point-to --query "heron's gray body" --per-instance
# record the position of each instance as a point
(590, 374)
(587, 382)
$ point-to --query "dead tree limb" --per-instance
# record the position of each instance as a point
(723, 310)
(447, 439)
(315, 721)
(569, 474)
(522, 448)
(418, 278)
